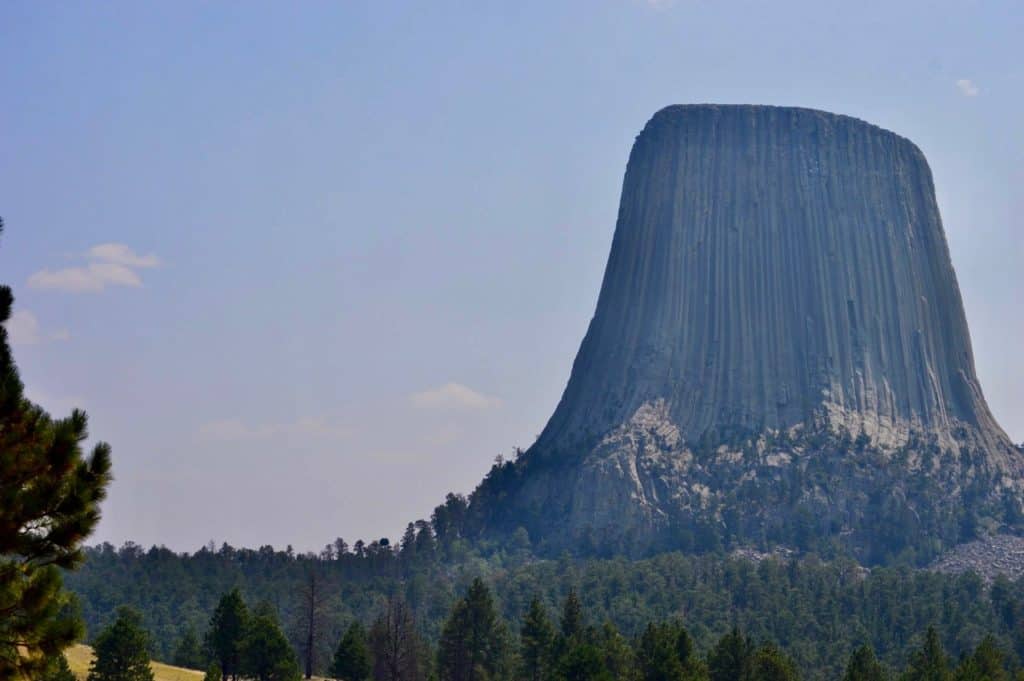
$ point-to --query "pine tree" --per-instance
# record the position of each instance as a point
(122, 650)
(573, 646)
(425, 544)
(453, 650)
(227, 631)
(657, 654)
(352, 658)
(188, 653)
(768, 663)
(49, 503)
(694, 668)
(408, 544)
(929, 663)
(266, 654)
(985, 664)
(582, 662)
(988, 658)
(572, 616)
(537, 637)
(864, 666)
(729, 660)
(312, 619)
(684, 646)
(617, 654)
(473, 641)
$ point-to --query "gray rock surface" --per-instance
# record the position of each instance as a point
(779, 288)
(989, 558)
(769, 263)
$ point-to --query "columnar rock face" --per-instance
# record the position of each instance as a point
(769, 262)
(779, 299)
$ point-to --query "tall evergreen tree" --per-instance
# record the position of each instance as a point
(617, 654)
(582, 662)
(694, 668)
(572, 622)
(408, 544)
(864, 666)
(989, 660)
(684, 645)
(536, 641)
(453, 652)
(122, 650)
(929, 662)
(657, 654)
(49, 503)
(352, 658)
(572, 637)
(473, 640)
(768, 663)
(227, 631)
(984, 664)
(266, 654)
(313, 599)
(729, 659)
(425, 544)
(189, 652)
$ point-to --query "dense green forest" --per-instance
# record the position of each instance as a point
(816, 612)
(476, 644)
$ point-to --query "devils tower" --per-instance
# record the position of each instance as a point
(779, 357)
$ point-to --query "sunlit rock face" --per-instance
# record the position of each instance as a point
(769, 263)
(779, 341)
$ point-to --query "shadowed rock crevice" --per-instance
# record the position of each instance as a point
(778, 285)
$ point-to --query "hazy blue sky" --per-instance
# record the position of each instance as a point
(309, 266)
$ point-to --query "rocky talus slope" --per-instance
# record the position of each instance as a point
(779, 354)
(988, 557)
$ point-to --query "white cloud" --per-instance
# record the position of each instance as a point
(453, 395)
(236, 430)
(23, 329)
(120, 254)
(967, 88)
(109, 265)
(92, 278)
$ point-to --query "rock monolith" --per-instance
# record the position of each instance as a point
(779, 356)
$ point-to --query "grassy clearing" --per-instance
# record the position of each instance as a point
(79, 657)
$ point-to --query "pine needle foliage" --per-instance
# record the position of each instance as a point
(50, 493)
(122, 650)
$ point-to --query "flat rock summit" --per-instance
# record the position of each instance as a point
(779, 356)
